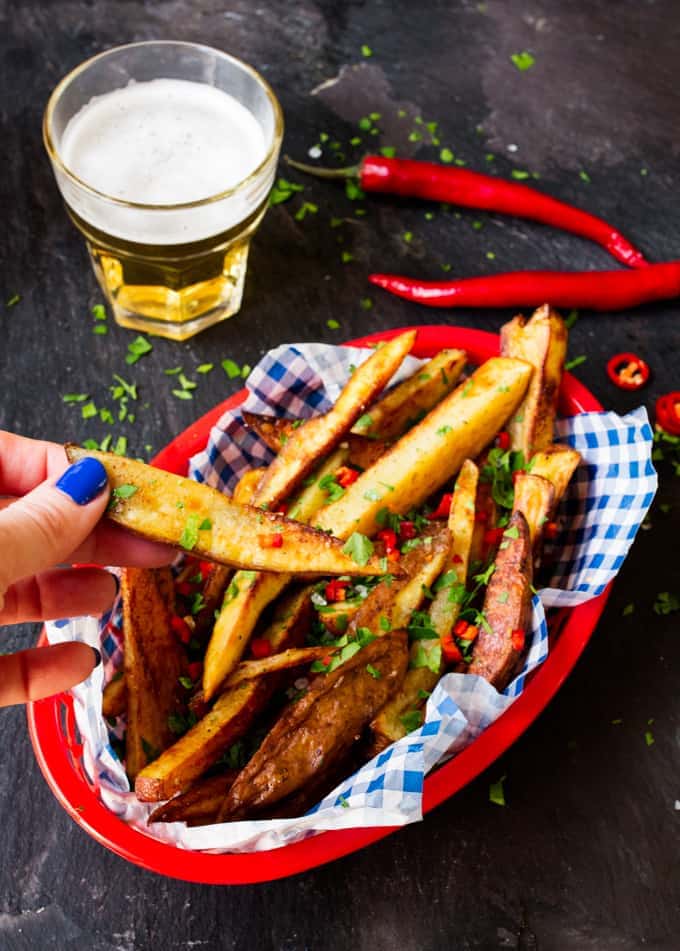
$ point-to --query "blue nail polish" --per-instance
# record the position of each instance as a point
(97, 657)
(83, 481)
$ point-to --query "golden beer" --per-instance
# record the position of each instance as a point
(165, 154)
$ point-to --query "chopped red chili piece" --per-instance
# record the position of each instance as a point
(336, 590)
(260, 647)
(205, 567)
(272, 541)
(551, 530)
(407, 530)
(444, 508)
(471, 633)
(668, 412)
(195, 670)
(450, 650)
(326, 661)
(492, 536)
(460, 627)
(394, 555)
(517, 473)
(345, 476)
(389, 539)
(481, 517)
(281, 509)
(180, 628)
(628, 371)
(503, 440)
(184, 588)
(518, 639)
(457, 560)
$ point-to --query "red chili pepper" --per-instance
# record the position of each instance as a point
(393, 555)
(503, 440)
(668, 412)
(518, 640)
(443, 510)
(185, 589)
(551, 530)
(460, 627)
(336, 590)
(260, 647)
(481, 517)
(450, 649)
(594, 290)
(471, 633)
(281, 509)
(628, 371)
(389, 539)
(517, 473)
(180, 628)
(407, 530)
(468, 189)
(345, 476)
(205, 567)
(457, 560)
(195, 670)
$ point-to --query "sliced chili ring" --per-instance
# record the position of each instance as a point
(668, 412)
(628, 371)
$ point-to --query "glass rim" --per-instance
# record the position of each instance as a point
(57, 161)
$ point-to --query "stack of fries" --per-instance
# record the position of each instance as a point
(391, 540)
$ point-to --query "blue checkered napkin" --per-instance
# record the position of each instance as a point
(607, 501)
(294, 380)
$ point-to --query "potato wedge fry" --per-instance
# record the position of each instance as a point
(230, 717)
(542, 342)
(486, 516)
(319, 729)
(275, 432)
(233, 534)
(213, 593)
(199, 805)
(557, 464)
(407, 403)
(153, 661)
(313, 497)
(246, 486)
(336, 617)
(535, 499)
(507, 608)
(285, 660)
(387, 726)
(433, 451)
(443, 612)
(319, 435)
(114, 699)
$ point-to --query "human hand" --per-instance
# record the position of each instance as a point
(49, 515)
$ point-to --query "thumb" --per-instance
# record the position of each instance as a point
(44, 527)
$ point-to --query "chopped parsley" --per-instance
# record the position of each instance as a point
(446, 155)
(189, 536)
(125, 491)
(231, 368)
(330, 485)
(283, 190)
(496, 792)
(576, 362)
(137, 349)
(75, 397)
(375, 674)
(307, 207)
(366, 51)
(666, 603)
(332, 324)
(359, 548)
(13, 300)
(522, 61)
(411, 720)
(204, 367)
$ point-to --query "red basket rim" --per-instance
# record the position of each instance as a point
(84, 807)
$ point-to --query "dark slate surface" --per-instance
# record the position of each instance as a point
(585, 854)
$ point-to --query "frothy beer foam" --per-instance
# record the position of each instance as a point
(163, 142)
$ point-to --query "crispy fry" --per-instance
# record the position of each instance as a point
(153, 662)
(114, 698)
(230, 717)
(199, 805)
(275, 431)
(433, 451)
(337, 616)
(319, 435)
(233, 534)
(534, 498)
(507, 608)
(407, 403)
(542, 342)
(557, 464)
(319, 729)
(313, 496)
(444, 612)
(213, 593)
(486, 516)
(387, 727)
(285, 660)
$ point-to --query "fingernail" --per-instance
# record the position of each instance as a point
(117, 580)
(97, 658)
(83, 481)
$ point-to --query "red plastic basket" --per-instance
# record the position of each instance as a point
(59, 751)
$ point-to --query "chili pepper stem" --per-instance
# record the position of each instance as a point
(351, 171)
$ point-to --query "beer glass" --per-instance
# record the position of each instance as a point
(165, 153)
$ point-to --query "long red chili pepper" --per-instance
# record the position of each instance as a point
(458, 186)
(593, 290)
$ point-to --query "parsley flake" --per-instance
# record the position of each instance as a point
(523, 61)
(359, 548)
(496, 792)
(137, 349)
